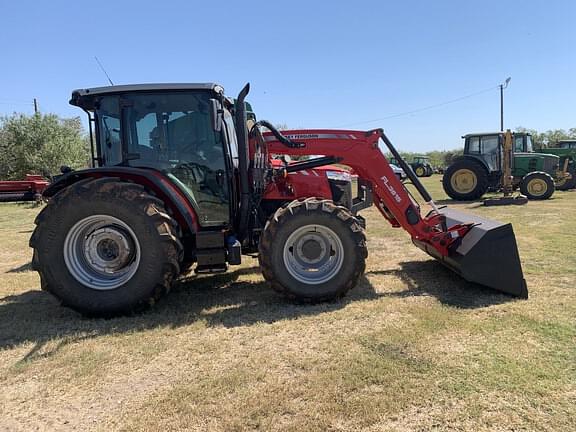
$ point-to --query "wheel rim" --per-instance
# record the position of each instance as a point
(420, 171)
(537, 187)
(464, 181)
(313, 254)
(101, 252)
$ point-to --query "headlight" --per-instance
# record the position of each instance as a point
(339, 175)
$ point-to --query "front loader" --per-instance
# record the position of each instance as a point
(184, 177)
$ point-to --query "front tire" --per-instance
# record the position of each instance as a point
(105, 247)
(312, 251)
(537, 186)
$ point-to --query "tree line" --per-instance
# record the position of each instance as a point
(42, 143)
(549, 138)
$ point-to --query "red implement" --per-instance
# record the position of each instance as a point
(29, 189)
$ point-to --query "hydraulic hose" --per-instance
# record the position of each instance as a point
(281, 138)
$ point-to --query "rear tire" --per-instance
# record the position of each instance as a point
(312, 251)
(465, 180)
(537, 186)
(105, 247)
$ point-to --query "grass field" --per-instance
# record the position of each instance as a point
(412, 347)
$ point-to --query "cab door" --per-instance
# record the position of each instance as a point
(491, 151)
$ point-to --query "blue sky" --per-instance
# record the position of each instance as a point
(313, 64)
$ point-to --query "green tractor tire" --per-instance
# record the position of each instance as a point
(537, 185)
(465, 180)
(420, 171)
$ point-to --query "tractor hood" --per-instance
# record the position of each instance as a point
(537, 161)
(557, 151)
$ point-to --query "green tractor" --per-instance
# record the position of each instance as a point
(420, 165)
(566, 151)
(480, 168)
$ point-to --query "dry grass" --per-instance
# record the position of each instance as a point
(413, 347)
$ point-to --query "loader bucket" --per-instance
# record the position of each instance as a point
(488, 254)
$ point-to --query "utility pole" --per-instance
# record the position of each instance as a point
(35, 106)
(502, 87)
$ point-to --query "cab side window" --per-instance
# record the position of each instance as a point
(474, 145)
(109, 131)
(518, 144)
(489, 144)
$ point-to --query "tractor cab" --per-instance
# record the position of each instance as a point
(421, 159)
(522, 143)
(488, 149)
(171, 128)
(567, 144)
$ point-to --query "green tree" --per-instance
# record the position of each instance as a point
(549, 138)
(40, 144)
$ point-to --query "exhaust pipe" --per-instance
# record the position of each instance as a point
(243, 162)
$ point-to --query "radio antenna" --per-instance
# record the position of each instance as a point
(103, 70)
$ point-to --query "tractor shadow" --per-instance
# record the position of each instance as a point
(430, 278)
(218, 301)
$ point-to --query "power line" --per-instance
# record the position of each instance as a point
(6, 102)
(401, 114)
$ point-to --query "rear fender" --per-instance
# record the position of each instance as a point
(153, 180)
(478, 160)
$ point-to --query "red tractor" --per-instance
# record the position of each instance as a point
(184, 176)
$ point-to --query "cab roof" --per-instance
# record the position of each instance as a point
(493, 133)
(83, 97)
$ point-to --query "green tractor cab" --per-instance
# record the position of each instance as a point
(480, 168)
(566, 151)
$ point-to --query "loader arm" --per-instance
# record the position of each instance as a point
(480, 250)
(361, 152)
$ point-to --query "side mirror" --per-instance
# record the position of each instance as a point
(215, 115)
